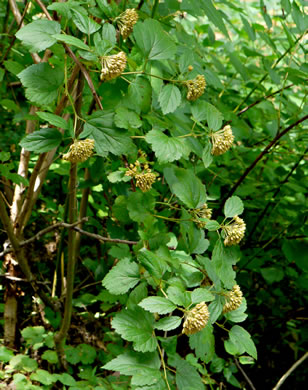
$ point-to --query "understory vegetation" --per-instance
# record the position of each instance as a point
(153, 200)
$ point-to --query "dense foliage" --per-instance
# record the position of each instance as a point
(152, 197)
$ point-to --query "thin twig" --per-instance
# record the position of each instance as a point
(104, 239)
(289, 372)
(262, 154)
(244, 374)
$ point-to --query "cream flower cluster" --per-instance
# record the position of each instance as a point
(143, 175)
(79, 151)
(222, 140)
(203, 212)
(234, 299)
(234, 232)
(112, 66)
(195, 87)
(126, 22)
(196, 319)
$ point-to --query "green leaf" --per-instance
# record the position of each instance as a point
(186, 186)
(223, 260)
(43, 377)
(187, 376)
(296, 250)
(108, 139)
(140, 95)
(212, 226)
(215, 309)
(154, 264)
(71, 41)
(13, 66)
(238, 315)
(169, 98)
(42, 140)
(272, 274)
(239, 342)
(33, 334)
(61, 8)
(136, 325)
(53, 119)
(87, 354)
(153, 41)
(214, 117)
(127, 119)
(38, 35)
(122, 277)
(233, 206)
(214, 16)
(41, 82)
(203, 343)
(140, 206)
(158, 305)
(65, 379)
(249, 30)
(133, 363)
(5, 354)
(23, 363)
(167, 149)
(207, 157)
(238, 65)
(201, 295)
(71, 354)
(84, 23)
(50, 356)
(1, 74)
(109, 34)
(168, 323)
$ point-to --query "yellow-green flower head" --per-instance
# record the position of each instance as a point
(234, 299)
(222, 140)
(79, 151)
(112, 66)
(196, 319)
(234, 232)
(126, 22)
(203, 212)
(195, 87)
(145, 180)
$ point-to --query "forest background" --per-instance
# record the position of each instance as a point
(153, 200)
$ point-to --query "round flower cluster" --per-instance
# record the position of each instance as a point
(79, 151)
(222, 140)
(112, 66)
(234, 232)
(234, 299)
(202, 212)
(126, 22)
(195, 87)
(196, 319)
(143, 175)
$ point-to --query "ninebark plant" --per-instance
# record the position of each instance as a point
(142, 84)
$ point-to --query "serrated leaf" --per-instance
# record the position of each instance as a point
(127, 119)
(239, 342)
(65, 379)
(109, 33)
(13, 66)
(122, 277)
(23, 363)
(140, 95)
(53, 119)
(87, 353)
(233, 206)
(168, 323)
(5, 354)
(33, 334)
(61, 8)
(41, 82)
(154, 264)
(239, 314)
(200, 295)
(84, 23)
(187, 376)
(214, 117)
(158, 305)
(215, 309)
(167, 149)
(38, 35)
(136, 325)
(42, 141)
(169, 98)
(223, 260)
(207, 157)
(153, 41)
(108, 139)
(71, 41)
(186, 186)
(131, 363)
(203, 343)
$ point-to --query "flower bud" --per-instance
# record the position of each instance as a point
(126, 22)
(112, 66)
(234, 299)
(195, 87)
(234, 232)
(222, 140)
